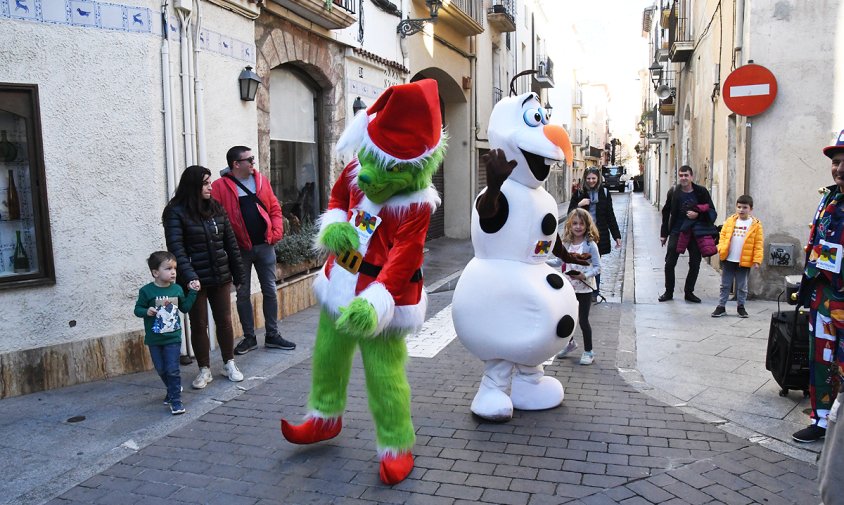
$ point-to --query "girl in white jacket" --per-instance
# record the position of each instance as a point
(580, 235)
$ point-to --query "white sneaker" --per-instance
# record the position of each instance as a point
(203, 378)
(587, 358)
(231, 371)
(571, 346)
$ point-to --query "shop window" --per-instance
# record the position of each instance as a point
(26, 253)
(294, 148)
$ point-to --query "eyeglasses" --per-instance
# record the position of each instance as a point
(250, 159)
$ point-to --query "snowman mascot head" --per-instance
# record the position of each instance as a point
(519, 126)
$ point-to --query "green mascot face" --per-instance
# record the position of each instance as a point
(380, 180)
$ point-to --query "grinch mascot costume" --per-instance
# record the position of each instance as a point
(370, 290)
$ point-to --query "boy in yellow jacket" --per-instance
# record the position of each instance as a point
(740, 247)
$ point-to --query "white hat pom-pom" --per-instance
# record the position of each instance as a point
(353, 136)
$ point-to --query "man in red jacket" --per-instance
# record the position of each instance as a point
(255, 215)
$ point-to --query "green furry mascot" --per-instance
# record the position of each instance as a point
(370, 289)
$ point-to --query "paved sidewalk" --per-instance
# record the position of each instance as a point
(615, 439)
(711, 367)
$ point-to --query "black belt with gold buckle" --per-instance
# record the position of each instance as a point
(353, 262)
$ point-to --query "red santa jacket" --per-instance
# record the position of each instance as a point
(392, 238)
(224, 190)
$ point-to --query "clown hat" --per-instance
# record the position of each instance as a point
(835, 148)
(403, 126)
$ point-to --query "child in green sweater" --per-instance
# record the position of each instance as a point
(159, 303)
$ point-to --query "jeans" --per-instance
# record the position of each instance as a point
(263, 257)
(731, 270)
(165, 358)
(671, 256)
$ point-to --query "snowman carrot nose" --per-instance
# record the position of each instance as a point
(557, 134)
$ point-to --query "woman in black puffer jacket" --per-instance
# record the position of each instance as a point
(594, 197)
(198, 233)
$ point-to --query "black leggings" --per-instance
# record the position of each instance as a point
(584, 303)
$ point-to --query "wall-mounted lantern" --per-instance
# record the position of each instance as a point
(358, 106)
(249, 82)
(656, 73)
(408, 27)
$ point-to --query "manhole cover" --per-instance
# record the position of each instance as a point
(76, 419)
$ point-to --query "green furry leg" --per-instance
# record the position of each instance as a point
(332, 364)
(384, 359)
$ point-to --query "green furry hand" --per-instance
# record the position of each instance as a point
(339, 238)
(358, 319)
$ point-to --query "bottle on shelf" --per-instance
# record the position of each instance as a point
(8, 151)
(12, 199)
(20, 259)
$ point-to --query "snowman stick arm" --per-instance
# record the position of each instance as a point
(498, 169)
(489, 204)
(560, 251)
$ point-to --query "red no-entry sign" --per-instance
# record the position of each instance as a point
(749, 90)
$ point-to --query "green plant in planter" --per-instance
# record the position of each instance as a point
(297, 247)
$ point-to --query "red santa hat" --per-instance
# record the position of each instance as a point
(406, 127)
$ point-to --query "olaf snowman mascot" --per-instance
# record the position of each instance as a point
(511, 309)
(370, 290)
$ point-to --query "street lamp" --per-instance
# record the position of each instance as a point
(656, 73)
(548, 108)
(408, 27)
(249, 82)
(358, 106)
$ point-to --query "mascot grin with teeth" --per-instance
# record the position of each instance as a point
(510, 308)
(370, 289)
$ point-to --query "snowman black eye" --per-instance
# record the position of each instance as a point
(534, 117)
(546, 115)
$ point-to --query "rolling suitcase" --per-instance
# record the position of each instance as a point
(787, 357)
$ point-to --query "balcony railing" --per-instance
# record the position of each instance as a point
(577, 99)
(348, 5)
(680, 41)
(333, 16)
(544, 76)
(497, 94)
(577, 137)
(502, 15)
(466, 16)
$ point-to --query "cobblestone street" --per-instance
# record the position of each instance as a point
(608, 443)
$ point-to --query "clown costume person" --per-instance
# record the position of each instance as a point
(511, 309)
(371, 289)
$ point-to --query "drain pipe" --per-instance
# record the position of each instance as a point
(199, 92)
(715, 92)
(168, 103)
(187, 124)
(473, 121)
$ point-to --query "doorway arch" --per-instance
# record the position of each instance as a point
(453, 174)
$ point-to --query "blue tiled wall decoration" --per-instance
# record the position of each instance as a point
(116, 17)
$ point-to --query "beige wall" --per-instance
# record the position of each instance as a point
(449, 65)
(103, 136)
(775, 156)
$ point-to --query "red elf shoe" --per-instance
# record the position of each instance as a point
(314, 429)
(395, 467)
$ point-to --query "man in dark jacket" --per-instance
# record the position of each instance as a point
(686, 201)
(257, 222)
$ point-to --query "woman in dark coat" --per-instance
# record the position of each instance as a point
(198, 233)
(595, 198)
